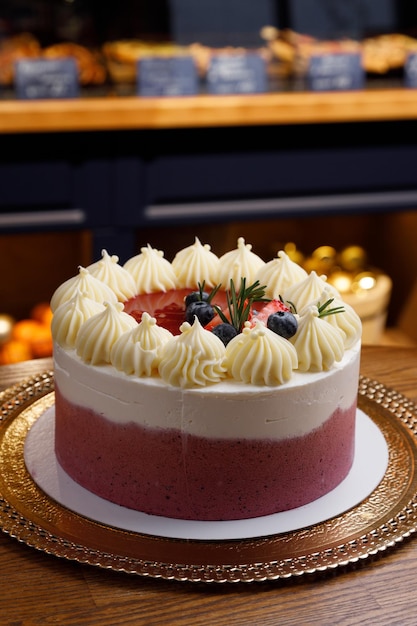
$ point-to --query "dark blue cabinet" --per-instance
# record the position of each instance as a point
(115, 182)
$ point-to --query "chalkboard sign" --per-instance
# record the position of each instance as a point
(410, 70)
(161, 76)
(46, 78)
(236, 73)
(335, 72)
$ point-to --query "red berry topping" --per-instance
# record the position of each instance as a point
(262, 310)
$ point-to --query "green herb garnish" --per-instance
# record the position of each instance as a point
(289, 304)
(324, 310)
(210, 296)
(239, 302)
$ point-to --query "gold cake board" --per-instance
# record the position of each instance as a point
(383, 519)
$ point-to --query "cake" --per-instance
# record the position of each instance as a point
(170, 418)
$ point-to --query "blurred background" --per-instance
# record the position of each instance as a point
(339, 197)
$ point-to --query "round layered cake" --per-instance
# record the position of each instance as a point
(239, 406)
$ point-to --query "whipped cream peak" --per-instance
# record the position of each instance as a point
(239, 263)
(106, 258)
(85, 282)
(114, 275)
(151, 271)
(149, 334)
(259, 356)
(97, 335)
(326, 296)
(318, 343)
(69, 317)
(136, 352)
(196, 264)
(192, 359)
(346, 319)
(308, 291)
(279, 274)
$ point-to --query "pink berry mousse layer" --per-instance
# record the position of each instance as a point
(166, 472)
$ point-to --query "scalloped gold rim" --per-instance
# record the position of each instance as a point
(382, 520)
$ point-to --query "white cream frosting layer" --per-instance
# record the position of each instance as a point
(225, 410)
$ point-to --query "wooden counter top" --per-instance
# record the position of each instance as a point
(121, 113)
(40, 589)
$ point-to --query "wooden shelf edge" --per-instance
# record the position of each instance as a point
(122, 113)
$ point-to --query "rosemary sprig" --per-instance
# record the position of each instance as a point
(289, 304)
(239, 302)
(324, 310)
(212, 293)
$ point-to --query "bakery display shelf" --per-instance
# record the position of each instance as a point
(110, 112)
(378, 523)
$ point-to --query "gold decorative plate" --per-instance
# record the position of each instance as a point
(383, 519)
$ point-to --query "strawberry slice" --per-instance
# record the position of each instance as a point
(217, 319)
(262, 310)
(167, 307)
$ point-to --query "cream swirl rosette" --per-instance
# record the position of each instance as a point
(192, 359)
(239, 263)
(151, 271)
(259, 356)
(70, 316)
(279, 274)
(196, 264)
(136, 352)
(86, 283)
(98, 334)
(308, 291)
(114, 275)
(318, 343)
(346, 319)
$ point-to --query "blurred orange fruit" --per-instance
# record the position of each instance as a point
(41, 342)
(36, 335)
(29, 338)
(24, 330)
(14, 351)
(42, 313)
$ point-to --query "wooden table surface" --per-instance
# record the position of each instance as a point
(38, 589)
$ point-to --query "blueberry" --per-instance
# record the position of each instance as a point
(203, 310)
(225, 332)
(196, 296)
(283, 323)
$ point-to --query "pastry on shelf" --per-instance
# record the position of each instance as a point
(385, 53)
(306, 49)
(380, 54)
(25, 46)
(90, 67)
(122, 56)
(13, 49)
(283, 45)
(203, 54)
